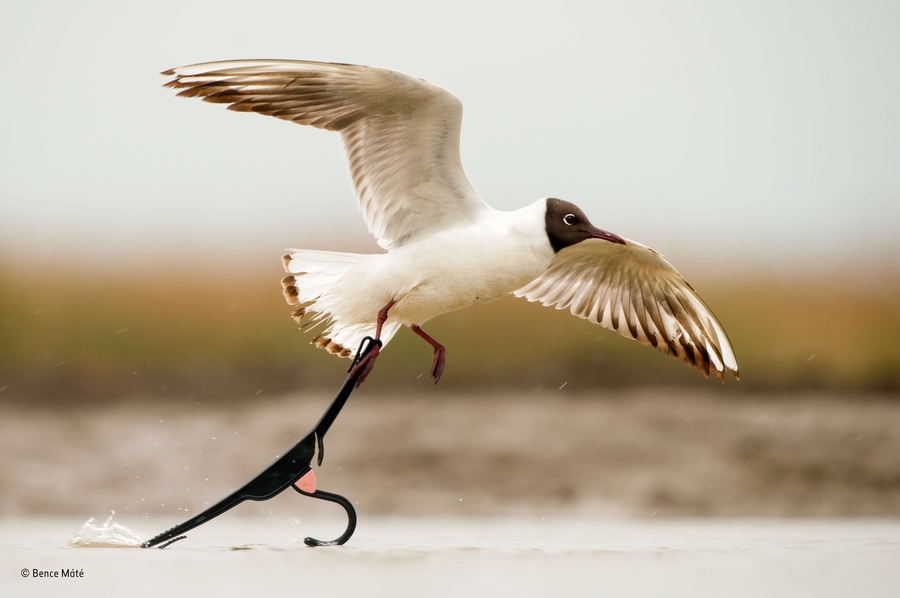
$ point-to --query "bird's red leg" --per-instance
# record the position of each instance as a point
(437, 366)
(361, 370)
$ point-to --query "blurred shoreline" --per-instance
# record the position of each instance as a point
(633, 453)
(180, 332)
(158, 391)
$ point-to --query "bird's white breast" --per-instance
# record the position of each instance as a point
(462, 266)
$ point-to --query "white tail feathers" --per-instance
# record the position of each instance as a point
(319, 270)
(313, 287)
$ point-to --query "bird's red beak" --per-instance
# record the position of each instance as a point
(596, 233)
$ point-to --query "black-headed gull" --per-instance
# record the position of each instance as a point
(445, 247)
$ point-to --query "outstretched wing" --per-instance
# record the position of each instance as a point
(631, 289)
(401, 134)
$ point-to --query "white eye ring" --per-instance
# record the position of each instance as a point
(570, 219)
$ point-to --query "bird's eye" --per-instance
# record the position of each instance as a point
(570, 219)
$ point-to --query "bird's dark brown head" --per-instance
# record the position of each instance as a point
(566, 225)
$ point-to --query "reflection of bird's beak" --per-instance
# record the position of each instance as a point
(596, 233)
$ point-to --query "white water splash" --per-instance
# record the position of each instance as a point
(107, 535)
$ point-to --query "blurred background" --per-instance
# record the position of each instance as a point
(142, 327)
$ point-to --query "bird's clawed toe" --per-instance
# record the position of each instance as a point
(362, 369)
(437, 366)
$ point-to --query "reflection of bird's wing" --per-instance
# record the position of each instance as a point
(401, 134)
(631, 289)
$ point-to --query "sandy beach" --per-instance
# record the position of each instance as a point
(638, 493)
(468, 556)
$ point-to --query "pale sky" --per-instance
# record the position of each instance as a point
(709, 130)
